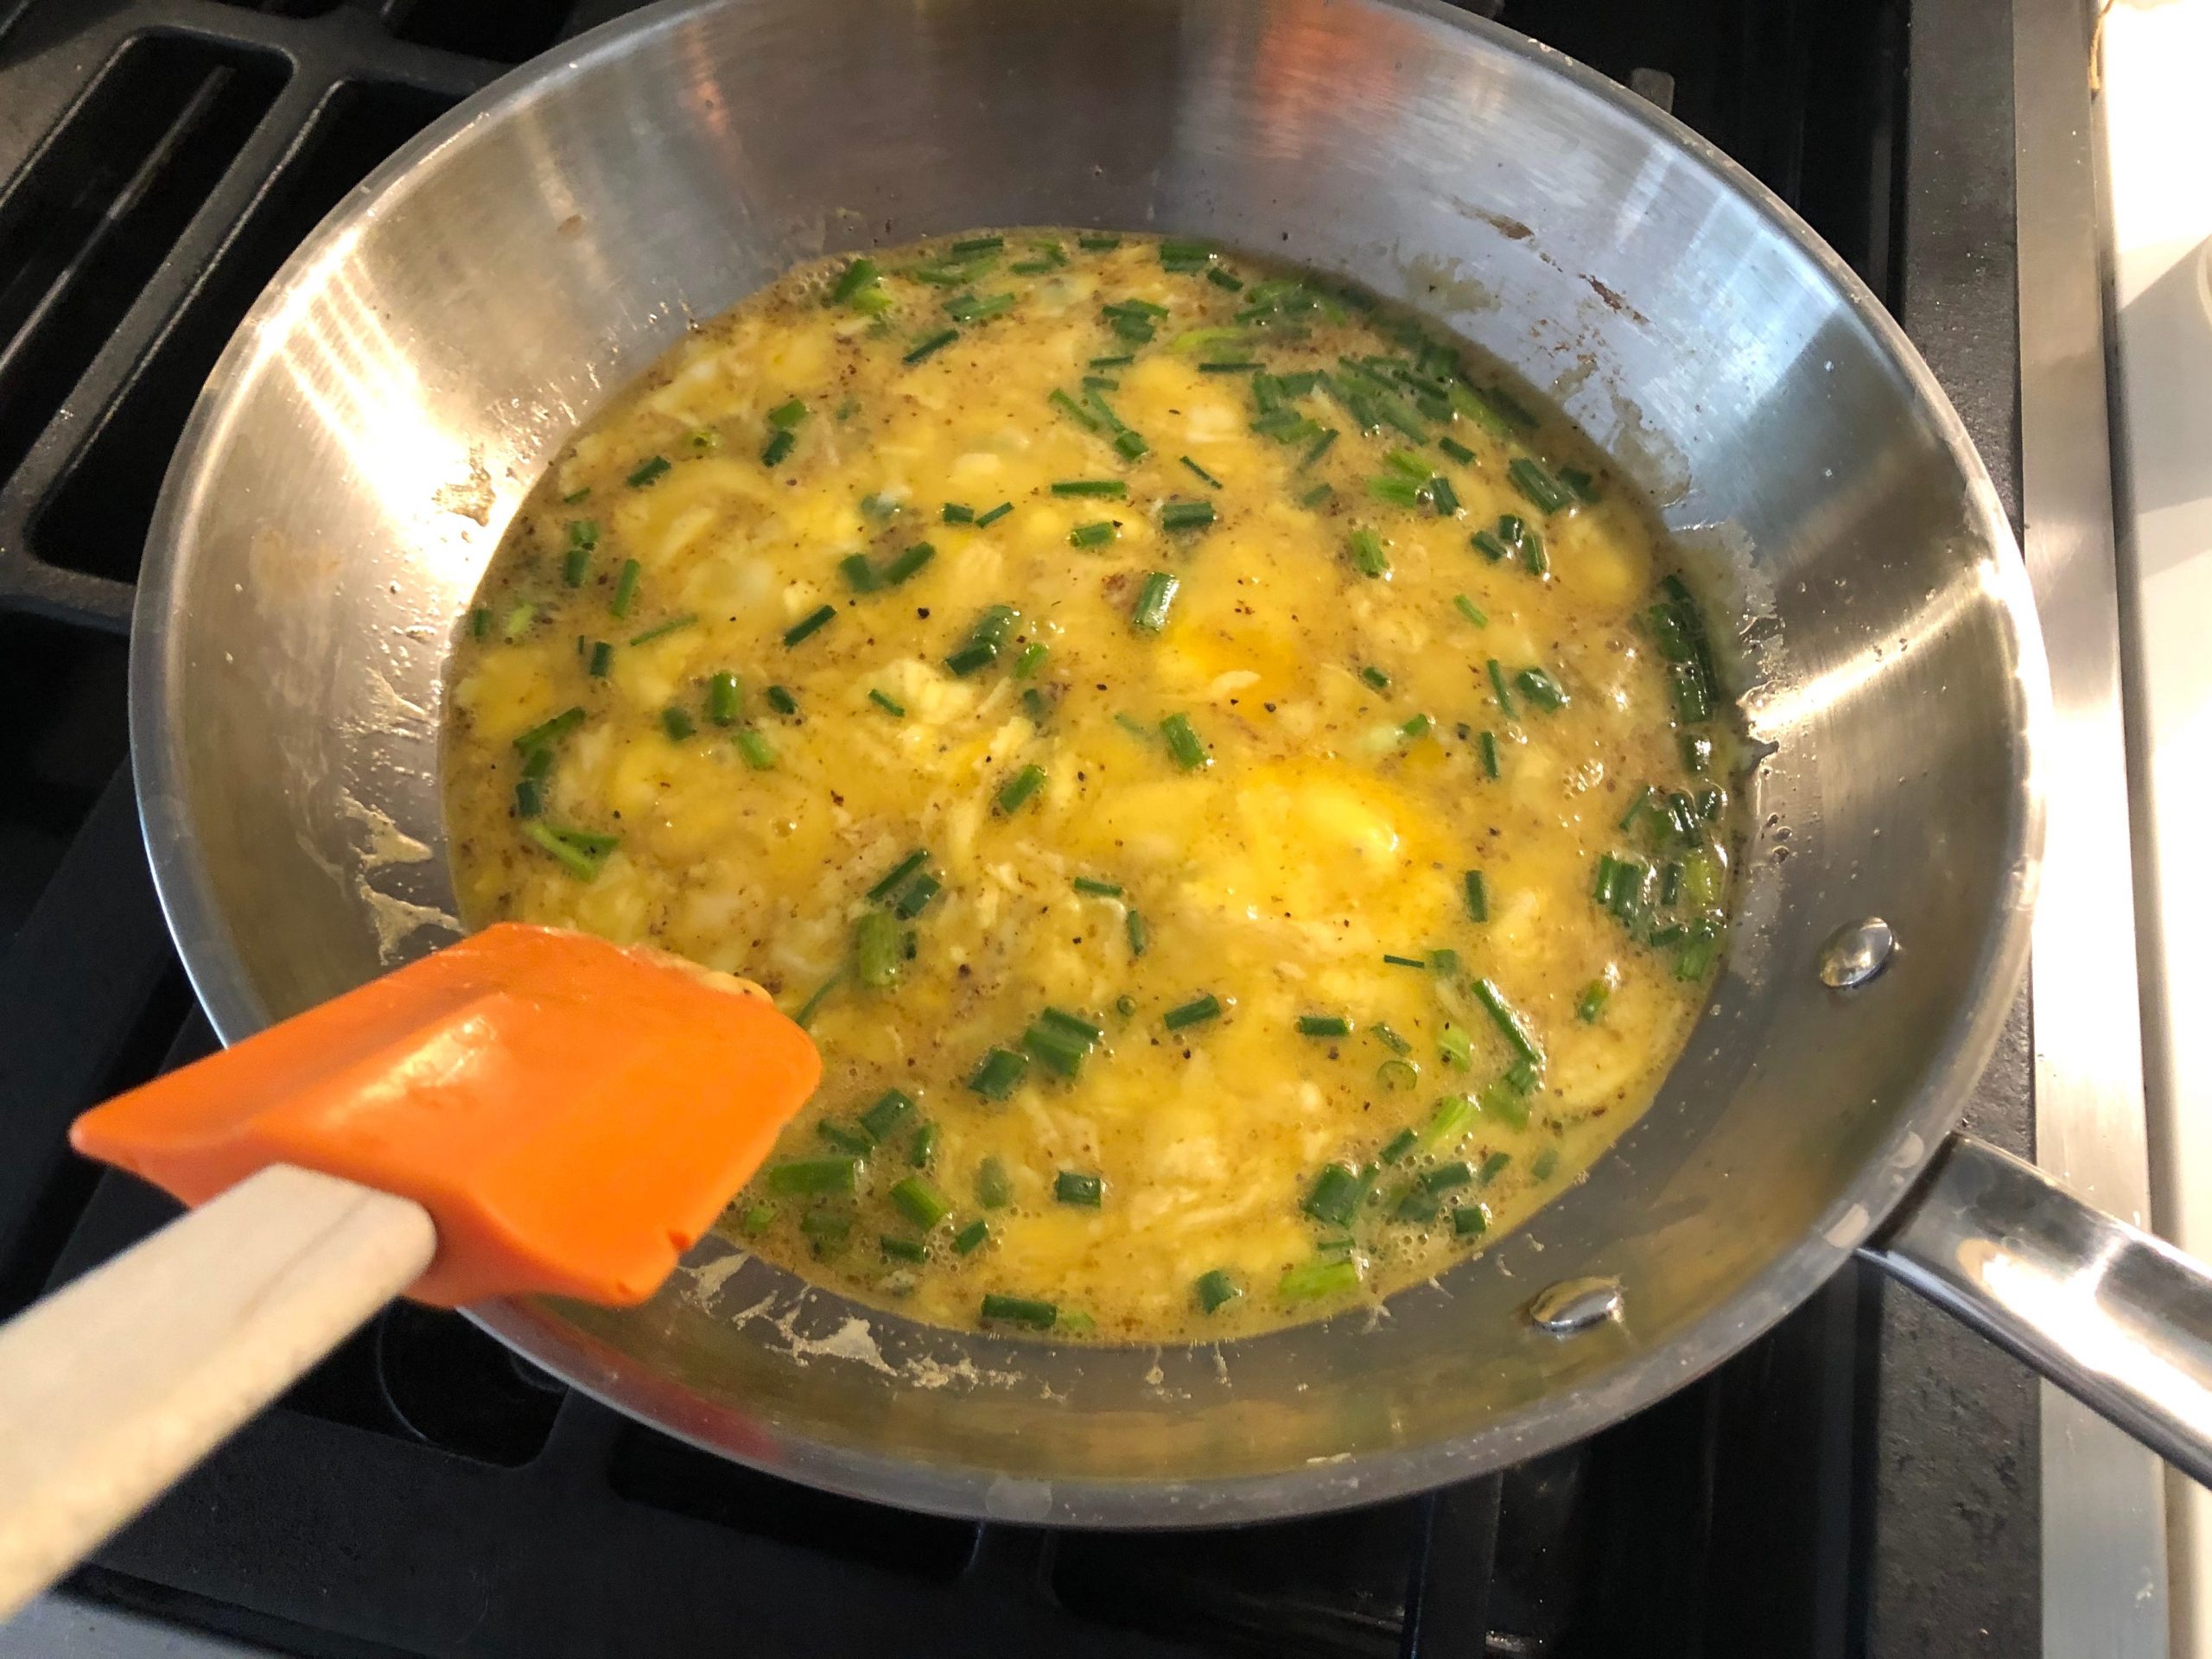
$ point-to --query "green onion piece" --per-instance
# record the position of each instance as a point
(972, 1237)
(1150, 611)
(1020, 1310)
(1442, 497)
(1185, 256)
(954, 513)
(1129, 445)
(1376, 677)
(902, 567)
(1095, 534)
(980, 244)
(903, 1249)
(625, 589)
(1635, 807)
(1187, 515)
(923, 1148)
(529, 797)
(808, 1176)
(860, 576)
(1697, 956)
(787, 415)
(575, 563)
(920, 1202)
(1457, 450)
(891, 1109)
(1489, 547)
(1472, 611)
(994, 1189)
(1452, 1117)
(1100, 486)
(1183, 743)
(1069, 1187)
(1486, 744)
(1367, 555)
(856, 277)
(1240, 365)
(1529, 477)
(601, 660)
(648, 472)
(1140, 935)
(1317, 449)
(479, 623)
(674, 624)
(1388, 1038)
(1314, 1281)
(1397, 1076)
(1334, 1197)
(1101, 889)
(1073, 410)
(809, 624)
(1510, 1023)
(1592, 1002)
(878, 950)
(889, 704)
(845, 1140)
(724, 698)
(1540, 688)
(1405, 962)
(928, 343)
(1478, 896)
(1493, 1168)
(1401, 1143)
(984, 520)
(1000, 1070)
(1195, 1012)
(1220, 279)
(1471, 1220)
(1444, 1177)
(676, 723)
(1446, 962)
(899, 872)
(1418, 726)
(916, 899)
(759, 753)
(1533, 556)
(1455, 1048)
(1580, 484)
(1097, 244)
(780, 444)
(1415, 1205)
(976, 308)
(827, 1228)
(549, 731)
(1020, 787)
(1215, 1291)
(758, 1218)
(1323, 1024)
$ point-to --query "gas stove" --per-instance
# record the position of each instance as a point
(1864, 1480)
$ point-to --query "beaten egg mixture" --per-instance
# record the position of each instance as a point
(1230, 788)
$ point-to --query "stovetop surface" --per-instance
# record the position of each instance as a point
(1860, 1481)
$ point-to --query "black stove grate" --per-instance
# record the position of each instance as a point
(423, 1493)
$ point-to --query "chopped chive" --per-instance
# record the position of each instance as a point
(1418, 726)
(1367, 555)
(648, 472)
(1323, 1024)
(1220, 279)
(1100, 889)
(780, 700)
(1404, 962)
(1530, 478)
(662, 630)
(547, 731)
(1457, 450)
(1238, 366)
(1534, 559)
(1215, 1291)
(1154, 598)
(1580, 484)
(1486, 746)
(1468, 608)
(1187, 515)
(976, 308)
(879, 953)
(1129, 445)
(891, 1109)
(809, 624)
(1452, 1117)
(1497, 689)
(1139, 934)
(1095, 534)
(1492, 1166)
(625, 589)
(810, 1176)
(724, 699)
(983, 520)
(1197, 1010)
(827, 1228)
(1592, 1002)
(1510, 1023)
(1415, 1205)
(778, 446)
(859, 573)
(922, 1147)
(479, 623)
(1097, 244)
(1101, 487)
(972, 1237)
(1471, 1220)
(1200, 472)
(1376, 677)
(760, 754)
(1020, 1310)
(998, 1074)
(856, 277)
(805, 1014)
(1696, 957)
(603, 659)
(979, 245)
(1635, 807)
(529, 797)
(920, 1202)
(1317, 449)
(1540, 688)
(1186, 258)
(1317, 494)
(1111, 362)
(1314, 1281)
(1183, 744)
(676, 723)
(1021, 787)
(889, 704)
(1400, 1144)
(916, 899)
(954, 513)
(1446, 962)
(575, 564)
(1478, 897)
(1075, 411)
(1086, 1190)
(994, 1189)
(786, 414)
(575, 496)
(902, 1249)
(1489, 547)
(1334, 1197)
(1388, 1037)
(928, 343)
(899, 872)
(906, 565)
(1442, 498)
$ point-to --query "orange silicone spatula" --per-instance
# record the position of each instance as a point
(525, 1111)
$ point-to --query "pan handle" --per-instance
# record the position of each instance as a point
(2122, 1321)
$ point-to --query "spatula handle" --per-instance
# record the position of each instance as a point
(117, 1384)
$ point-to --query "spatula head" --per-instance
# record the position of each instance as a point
(573, 1116)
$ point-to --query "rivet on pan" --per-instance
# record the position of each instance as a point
(1575, 1304)
(1856, 952)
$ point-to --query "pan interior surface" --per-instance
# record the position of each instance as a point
(381, 413)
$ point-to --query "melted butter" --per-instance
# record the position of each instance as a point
(1318, 837)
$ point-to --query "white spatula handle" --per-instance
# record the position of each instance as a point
(118, 1383)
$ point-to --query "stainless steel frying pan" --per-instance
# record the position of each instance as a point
(377, 417)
